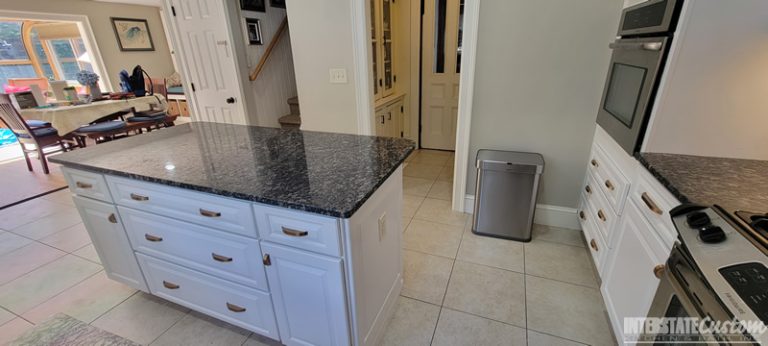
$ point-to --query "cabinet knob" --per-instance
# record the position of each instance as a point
(266, 260)
(170, 285)
(594, 163)
(112, 218)
(593, 244)
(582, 216)
(658, 270)
(609, 185)
(588, 189)
(83, 185)
(601, 215)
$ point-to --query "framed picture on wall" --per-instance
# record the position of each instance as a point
(277, 3)
(132, 34)
(253, 5)
(253, 30)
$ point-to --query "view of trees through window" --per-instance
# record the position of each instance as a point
(68, 55)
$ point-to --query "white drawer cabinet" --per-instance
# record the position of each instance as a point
(221, 254)
(609, 178)
(305, 231)
(592, 235)
(308, 293)
(87, 184)
(202, 208)
(105, 228)
(227, 301)
(655, 202)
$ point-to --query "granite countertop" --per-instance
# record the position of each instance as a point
(325, 173)
(734, 184)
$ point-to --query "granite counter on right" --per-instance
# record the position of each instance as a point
(734, 184)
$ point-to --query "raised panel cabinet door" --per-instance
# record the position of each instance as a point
(629, 281)
(111, 242)
(308, 295)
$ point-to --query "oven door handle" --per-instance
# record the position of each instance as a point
(650, 46)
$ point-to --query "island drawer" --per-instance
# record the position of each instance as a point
(201, 208)
(87, 184)
(299, 229)
(239, 305)
(221, 254)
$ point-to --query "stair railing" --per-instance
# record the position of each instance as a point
(268, 52)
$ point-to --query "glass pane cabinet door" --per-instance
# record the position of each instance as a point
(375, 50)
(386, 24)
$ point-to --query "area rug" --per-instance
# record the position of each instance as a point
(18, 185)
(63, 330)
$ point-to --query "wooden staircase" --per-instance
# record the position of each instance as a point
(293, 120)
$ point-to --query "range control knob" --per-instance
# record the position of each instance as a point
(697, 219)
(712, 234)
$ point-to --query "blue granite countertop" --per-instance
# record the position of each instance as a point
(734, 184)
(325, 173)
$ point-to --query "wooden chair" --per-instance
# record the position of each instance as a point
(40, 137)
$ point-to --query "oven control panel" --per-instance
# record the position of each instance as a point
(750, 280)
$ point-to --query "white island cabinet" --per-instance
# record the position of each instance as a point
(290, 275)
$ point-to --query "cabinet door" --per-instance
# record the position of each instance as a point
(388, 70)
(309, 296)
(630, 283)
(380, 119)
(111, 242)
(375, 42)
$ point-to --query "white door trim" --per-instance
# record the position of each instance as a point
(361, 57)
(85, 30)
(466, 92)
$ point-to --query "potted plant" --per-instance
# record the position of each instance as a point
(91, 81)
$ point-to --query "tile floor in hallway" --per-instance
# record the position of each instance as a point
(459, 288)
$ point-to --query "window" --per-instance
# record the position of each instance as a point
(58, 51)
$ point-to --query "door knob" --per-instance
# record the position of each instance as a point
(231, 100)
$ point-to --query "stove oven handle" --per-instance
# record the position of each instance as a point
(650, 46)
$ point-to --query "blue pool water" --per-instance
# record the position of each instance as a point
(6, 137)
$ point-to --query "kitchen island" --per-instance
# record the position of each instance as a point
(293, 235)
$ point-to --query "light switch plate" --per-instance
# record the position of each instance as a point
(338, 75)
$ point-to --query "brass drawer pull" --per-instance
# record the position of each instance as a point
(83, 185)
(609, 185)
(582, 215)
(651, 204)
(170, 285)
(152, 238)
(235, 308)
(593, 245)
(112, 218)
(658, 270)
(136, 197)
(594, 163)
(601, 215)
(266, 260)
(588, 189)
(208, 213)
(221, 258)
(294, 233)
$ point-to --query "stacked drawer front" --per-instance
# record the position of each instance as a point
(609, 179)
(655, 202)
(305, 231)
(198, 250)
(587, 217)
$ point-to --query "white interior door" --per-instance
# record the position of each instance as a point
(440, 74)
(209, 60)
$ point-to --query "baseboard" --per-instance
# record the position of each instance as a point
(549, 215)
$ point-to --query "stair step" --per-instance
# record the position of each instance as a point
(290, 121)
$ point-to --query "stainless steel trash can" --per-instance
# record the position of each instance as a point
(505, 198)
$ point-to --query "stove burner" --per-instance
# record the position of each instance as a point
(757, 227)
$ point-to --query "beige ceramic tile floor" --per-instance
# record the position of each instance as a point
(459, 288)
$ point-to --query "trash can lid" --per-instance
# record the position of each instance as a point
(497, 158)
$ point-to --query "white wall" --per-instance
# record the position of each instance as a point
(277, 81)
(714, 96)
(321, 39)
(158, 63)
(539, 77)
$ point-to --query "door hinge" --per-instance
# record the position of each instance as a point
(173, 11)
(193, 87)
(402, 110)
(394, 78)
(266, 260)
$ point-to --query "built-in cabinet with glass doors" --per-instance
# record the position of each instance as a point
(382, 43)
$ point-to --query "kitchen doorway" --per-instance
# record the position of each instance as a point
(441, 47)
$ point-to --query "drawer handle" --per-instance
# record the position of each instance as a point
(170, 285)
(582, 215)
(235, 308)
(593, 245)
(658, 270)
(594, 163)
(112, 218)
(601, 215)
(588, 189)
(266, 260)
(208, 213)
(294, 233)
(136, 197)
(83, 185)
(651, 204)
(221, 258)
(609, 185)
(152, 238)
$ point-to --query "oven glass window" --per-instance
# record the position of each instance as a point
(624, 89)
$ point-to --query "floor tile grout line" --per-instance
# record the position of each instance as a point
(558, 336)
(525, 299)
(483, 317)
(58, 294)
(113, 307)
(174, 323)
